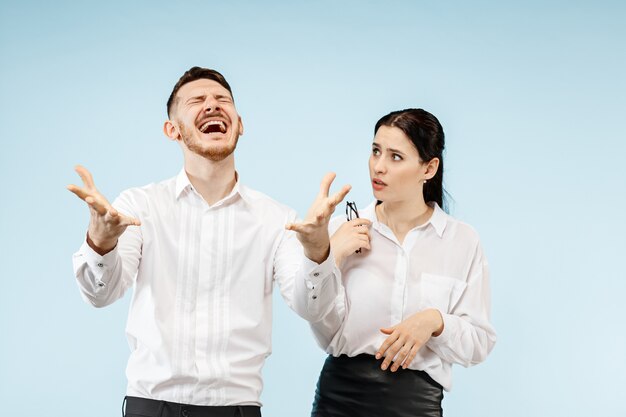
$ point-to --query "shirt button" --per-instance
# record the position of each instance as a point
(314, 297)
(184, 413)
(100, 284)
(100, 264)
(317, 274)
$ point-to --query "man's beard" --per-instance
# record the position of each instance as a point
(214, 153)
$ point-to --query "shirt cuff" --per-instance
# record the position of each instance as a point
(449, 325)
(97, 263)
(316, 273)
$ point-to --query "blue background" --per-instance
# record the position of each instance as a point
(532, 98)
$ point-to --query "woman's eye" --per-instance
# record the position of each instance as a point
(375, 152)
(396, 157)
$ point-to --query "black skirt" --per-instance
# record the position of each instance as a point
(357, 387)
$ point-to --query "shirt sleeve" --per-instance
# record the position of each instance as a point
(312, 290)
(468, 335)
(102, 279)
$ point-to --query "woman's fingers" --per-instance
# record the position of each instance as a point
(391, 353)
(388, 341)
(359, 223)
(401, 356)
(411, 356)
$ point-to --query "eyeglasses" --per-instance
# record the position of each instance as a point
(351, 214)
(351, 211)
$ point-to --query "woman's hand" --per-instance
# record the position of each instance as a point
(406, 338)
(350, 237)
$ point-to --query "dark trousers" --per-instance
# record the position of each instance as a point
(143, 407)
(350, 387)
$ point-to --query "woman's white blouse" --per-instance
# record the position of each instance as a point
(439, 265)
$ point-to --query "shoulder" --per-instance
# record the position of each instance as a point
(462, 235)
(461, 230)
(138, 198)
(267, 207)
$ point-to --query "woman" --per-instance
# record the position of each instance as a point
(415, 299)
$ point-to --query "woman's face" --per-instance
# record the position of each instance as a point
(396, 170)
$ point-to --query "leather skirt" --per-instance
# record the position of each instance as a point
(357, 387)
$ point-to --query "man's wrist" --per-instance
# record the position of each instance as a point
(101, 247)
(317, 255)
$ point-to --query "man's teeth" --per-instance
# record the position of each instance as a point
(205, 126)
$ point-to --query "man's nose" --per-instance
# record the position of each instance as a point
(211, 105)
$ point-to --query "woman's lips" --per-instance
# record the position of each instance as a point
(378, 184)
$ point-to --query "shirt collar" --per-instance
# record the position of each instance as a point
(438, 220)
(183, 185)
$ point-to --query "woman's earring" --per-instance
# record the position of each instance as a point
(424, 181)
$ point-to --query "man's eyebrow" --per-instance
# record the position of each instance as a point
(201, 97)
(218, 96)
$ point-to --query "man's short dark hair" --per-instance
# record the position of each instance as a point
(193, 74)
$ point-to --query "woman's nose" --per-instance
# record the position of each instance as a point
(379, 166)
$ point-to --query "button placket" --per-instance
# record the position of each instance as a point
(399, 284)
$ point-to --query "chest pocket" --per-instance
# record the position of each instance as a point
(439, 291)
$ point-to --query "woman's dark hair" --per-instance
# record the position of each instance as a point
(426, 134)
(193, 74)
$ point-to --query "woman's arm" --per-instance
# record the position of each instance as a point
(463, 335)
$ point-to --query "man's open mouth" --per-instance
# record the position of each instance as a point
(213, 126)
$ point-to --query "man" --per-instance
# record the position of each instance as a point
(202, 252)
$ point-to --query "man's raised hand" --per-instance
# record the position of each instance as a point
(106, 224)
(313, 230)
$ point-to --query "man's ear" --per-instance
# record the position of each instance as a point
(171, 130)
(240, 126)
(431, 168)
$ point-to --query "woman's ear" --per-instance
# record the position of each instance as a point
(431, 168)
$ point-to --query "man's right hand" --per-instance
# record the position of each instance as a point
(106, 224)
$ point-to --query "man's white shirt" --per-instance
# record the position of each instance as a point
(199, 325)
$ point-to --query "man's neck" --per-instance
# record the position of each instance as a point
(212, 180)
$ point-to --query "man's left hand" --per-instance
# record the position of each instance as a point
(313, 230)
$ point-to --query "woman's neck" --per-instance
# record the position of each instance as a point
(402, 216)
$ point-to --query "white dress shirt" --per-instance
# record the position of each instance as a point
(439, 265)
(199, 325)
